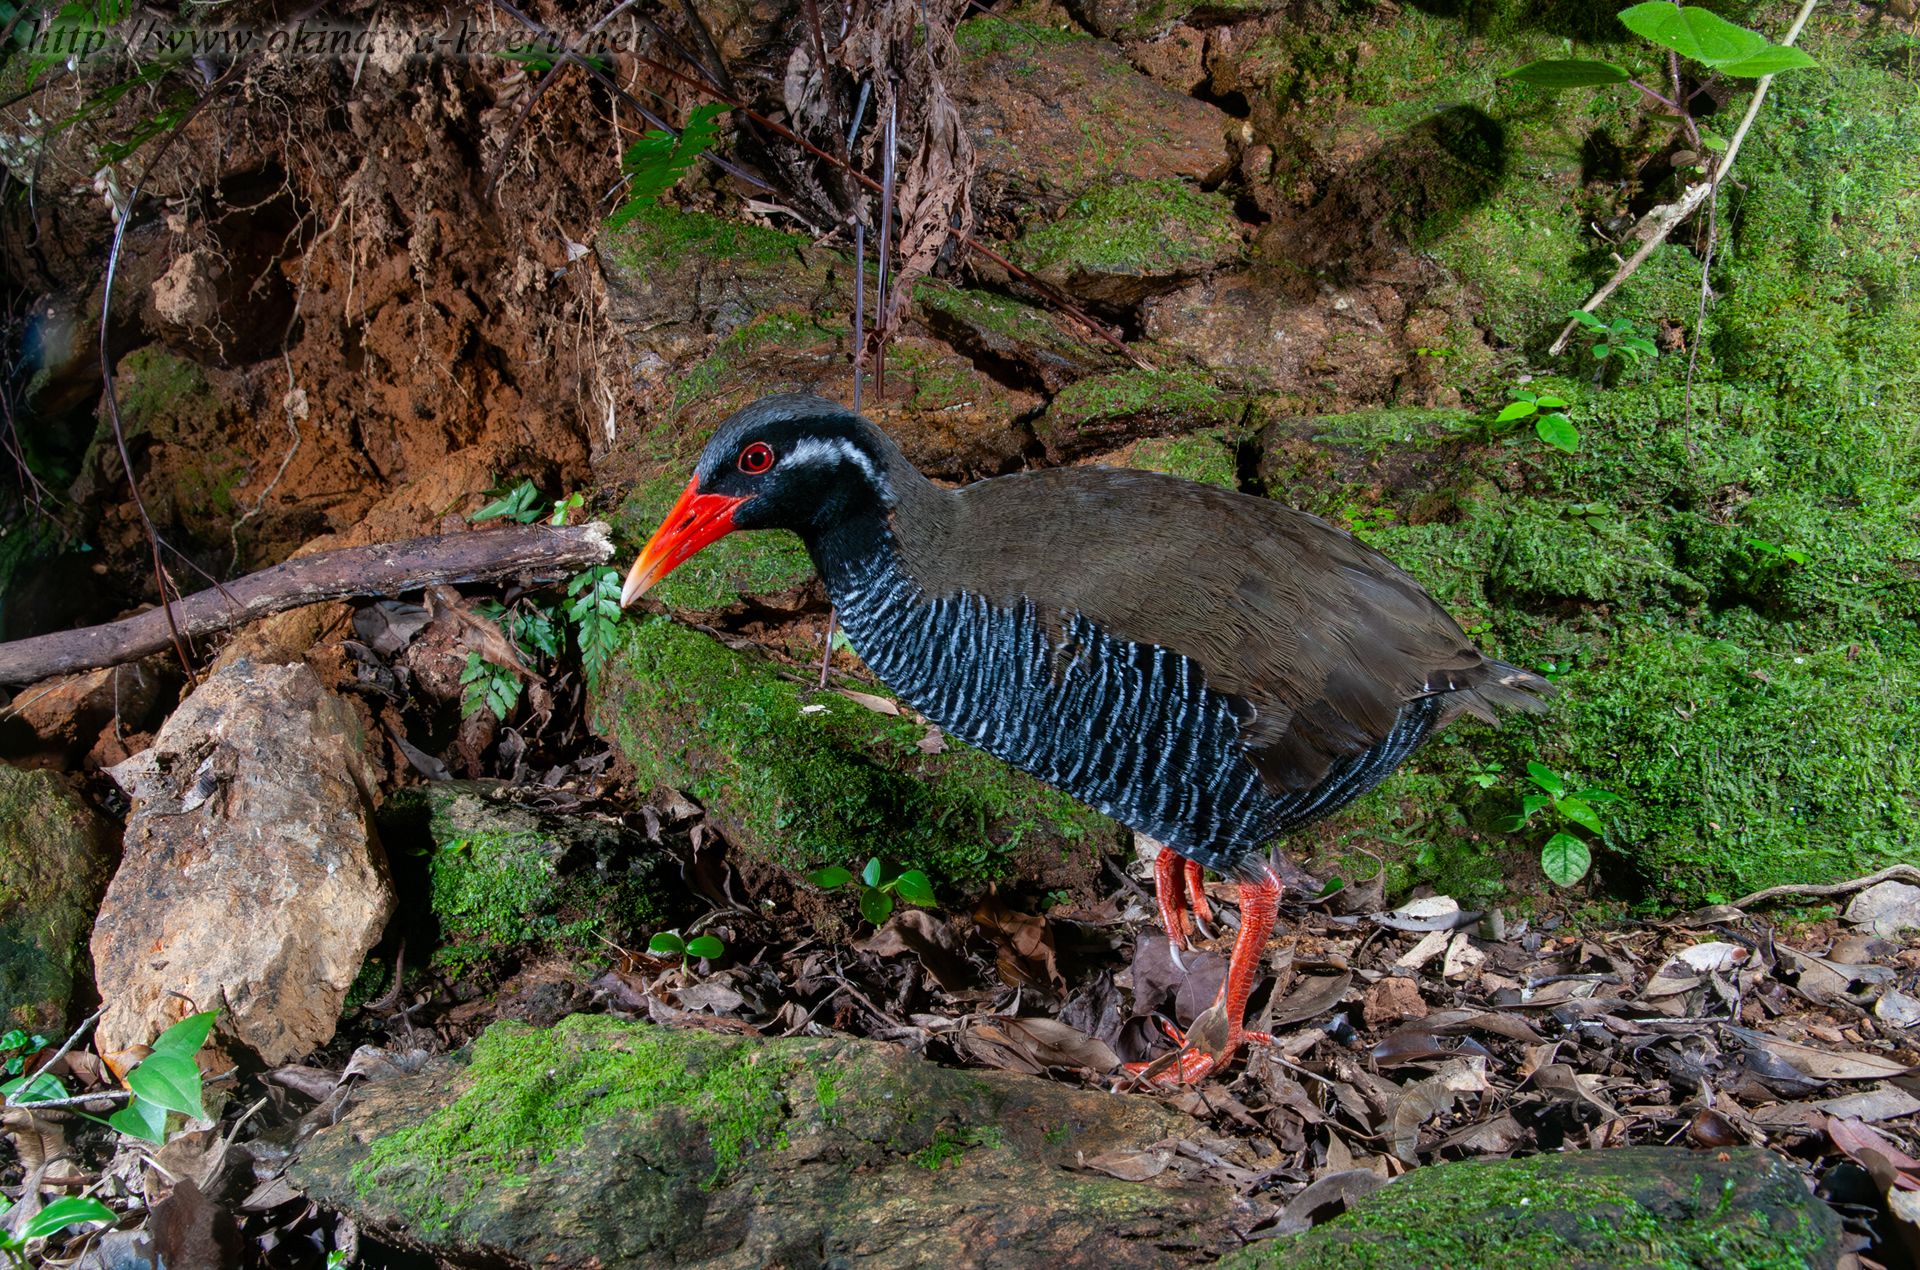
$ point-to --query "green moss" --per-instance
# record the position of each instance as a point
(1198, 456)
(1136, 227)
(493, 886)
(833, 785)
(980, 36)
(533, 1093)
(661, 237)
(1656, 1210)
(1135, 394)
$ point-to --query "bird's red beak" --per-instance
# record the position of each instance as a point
(695, 521)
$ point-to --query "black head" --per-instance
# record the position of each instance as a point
(793, 461)
(801, 462)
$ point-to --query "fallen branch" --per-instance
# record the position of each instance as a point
(540, 551)
(1663, 220)
(1904, 872)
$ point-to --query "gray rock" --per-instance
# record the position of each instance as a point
(253, 880)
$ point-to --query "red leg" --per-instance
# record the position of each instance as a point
(1197, 892)
(1259, 906)
(1167, 874)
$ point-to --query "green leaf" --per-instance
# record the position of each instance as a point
(1580, 813)
(1546, 778)
(1518, 410)
(1553, 403)
(871, 874)
(518, 504)
(1510, 824)
(45, 1088)
(1531, 803)
(913, 887)
(875, 905)
(1587, 320)
(1712, 140)
(1558, 431)
(169, 1080)
(1768, 61)
(656, 161)
(1565, 859)
(1798, 557)
(62, 1213)
(187, 1036)
(706, 946)
(1693, 32)
(1567, 72)
(141, 1119)
(667, 944)
(1596, 796)
(828, 878)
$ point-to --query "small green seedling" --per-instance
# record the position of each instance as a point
(596, 617)
(1616, 338)
(1548, 413)
(1565, 858)
(17, 1044)
(484, 685)
(668, 943)
(1485, 775)
(878, 888)
(1767, 548)
(168, 1079)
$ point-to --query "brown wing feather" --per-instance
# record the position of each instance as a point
(1319, 638)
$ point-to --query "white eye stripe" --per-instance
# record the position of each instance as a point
(825, 450)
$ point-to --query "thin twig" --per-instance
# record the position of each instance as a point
(59, 1054)
(1904, 872)
(1661, 221)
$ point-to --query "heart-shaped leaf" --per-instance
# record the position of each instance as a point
(876, 905)
(828, 878)
(1565, 859)
(187, 1036)
(141, 1119)
(1558, 431)
(171, 1081)
(62, 1213)
(1693, 32)
(1567, 72)
(913, 887)
(45, 1088)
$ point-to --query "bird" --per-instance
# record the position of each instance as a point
(1210, 668)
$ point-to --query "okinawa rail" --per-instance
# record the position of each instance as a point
(1209, 668)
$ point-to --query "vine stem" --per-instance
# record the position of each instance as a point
(1661, 221)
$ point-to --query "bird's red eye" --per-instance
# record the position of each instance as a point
(756, 458)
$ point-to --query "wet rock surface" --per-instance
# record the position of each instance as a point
(56, 854)
(693, 1149)
(252, 879)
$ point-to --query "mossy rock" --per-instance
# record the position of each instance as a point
(499, 875)
(55, 859)
(1118, 244)
(1103, 413)
(628, 1146)
(804, 780)
(1003, 333)
(1639, 1208)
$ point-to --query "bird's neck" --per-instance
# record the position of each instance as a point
(878, 536)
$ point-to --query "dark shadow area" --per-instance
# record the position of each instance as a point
(1410, 191)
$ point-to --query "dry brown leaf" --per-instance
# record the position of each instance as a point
(1316, 995)
(1857, 1140)
(1434, 1096)
(1024, 944)
(1819, 1064)
(1055, 1044)
(1327, 1198)
(1560, 1078)
(922, 934)
(476, 632)
(879, 705)
(1131, 1166)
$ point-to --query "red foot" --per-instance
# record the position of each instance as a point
(1259, 905)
